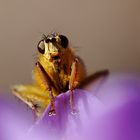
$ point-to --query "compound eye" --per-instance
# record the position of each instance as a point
(41, 47)
(48, 40)
(64, 41)
(53, 40)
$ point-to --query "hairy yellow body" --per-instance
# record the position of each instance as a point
(56, 71)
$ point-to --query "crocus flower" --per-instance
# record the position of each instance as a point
(106, 110)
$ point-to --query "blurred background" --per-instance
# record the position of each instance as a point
(105, 33)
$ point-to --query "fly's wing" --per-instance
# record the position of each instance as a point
(33, 96)
(91, 80)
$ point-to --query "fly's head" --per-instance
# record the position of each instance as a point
(53, 47)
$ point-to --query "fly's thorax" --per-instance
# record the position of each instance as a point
(59, 73)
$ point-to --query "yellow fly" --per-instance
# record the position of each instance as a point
(57, 70)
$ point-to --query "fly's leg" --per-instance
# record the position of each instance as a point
(47, 81)
(72, 84)
(52, 109)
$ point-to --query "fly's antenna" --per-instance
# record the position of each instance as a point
(44, 37)
(52, 35)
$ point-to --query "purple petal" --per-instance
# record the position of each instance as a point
(65, 125)
(107, 110)
(15, 118)
(111, 112)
